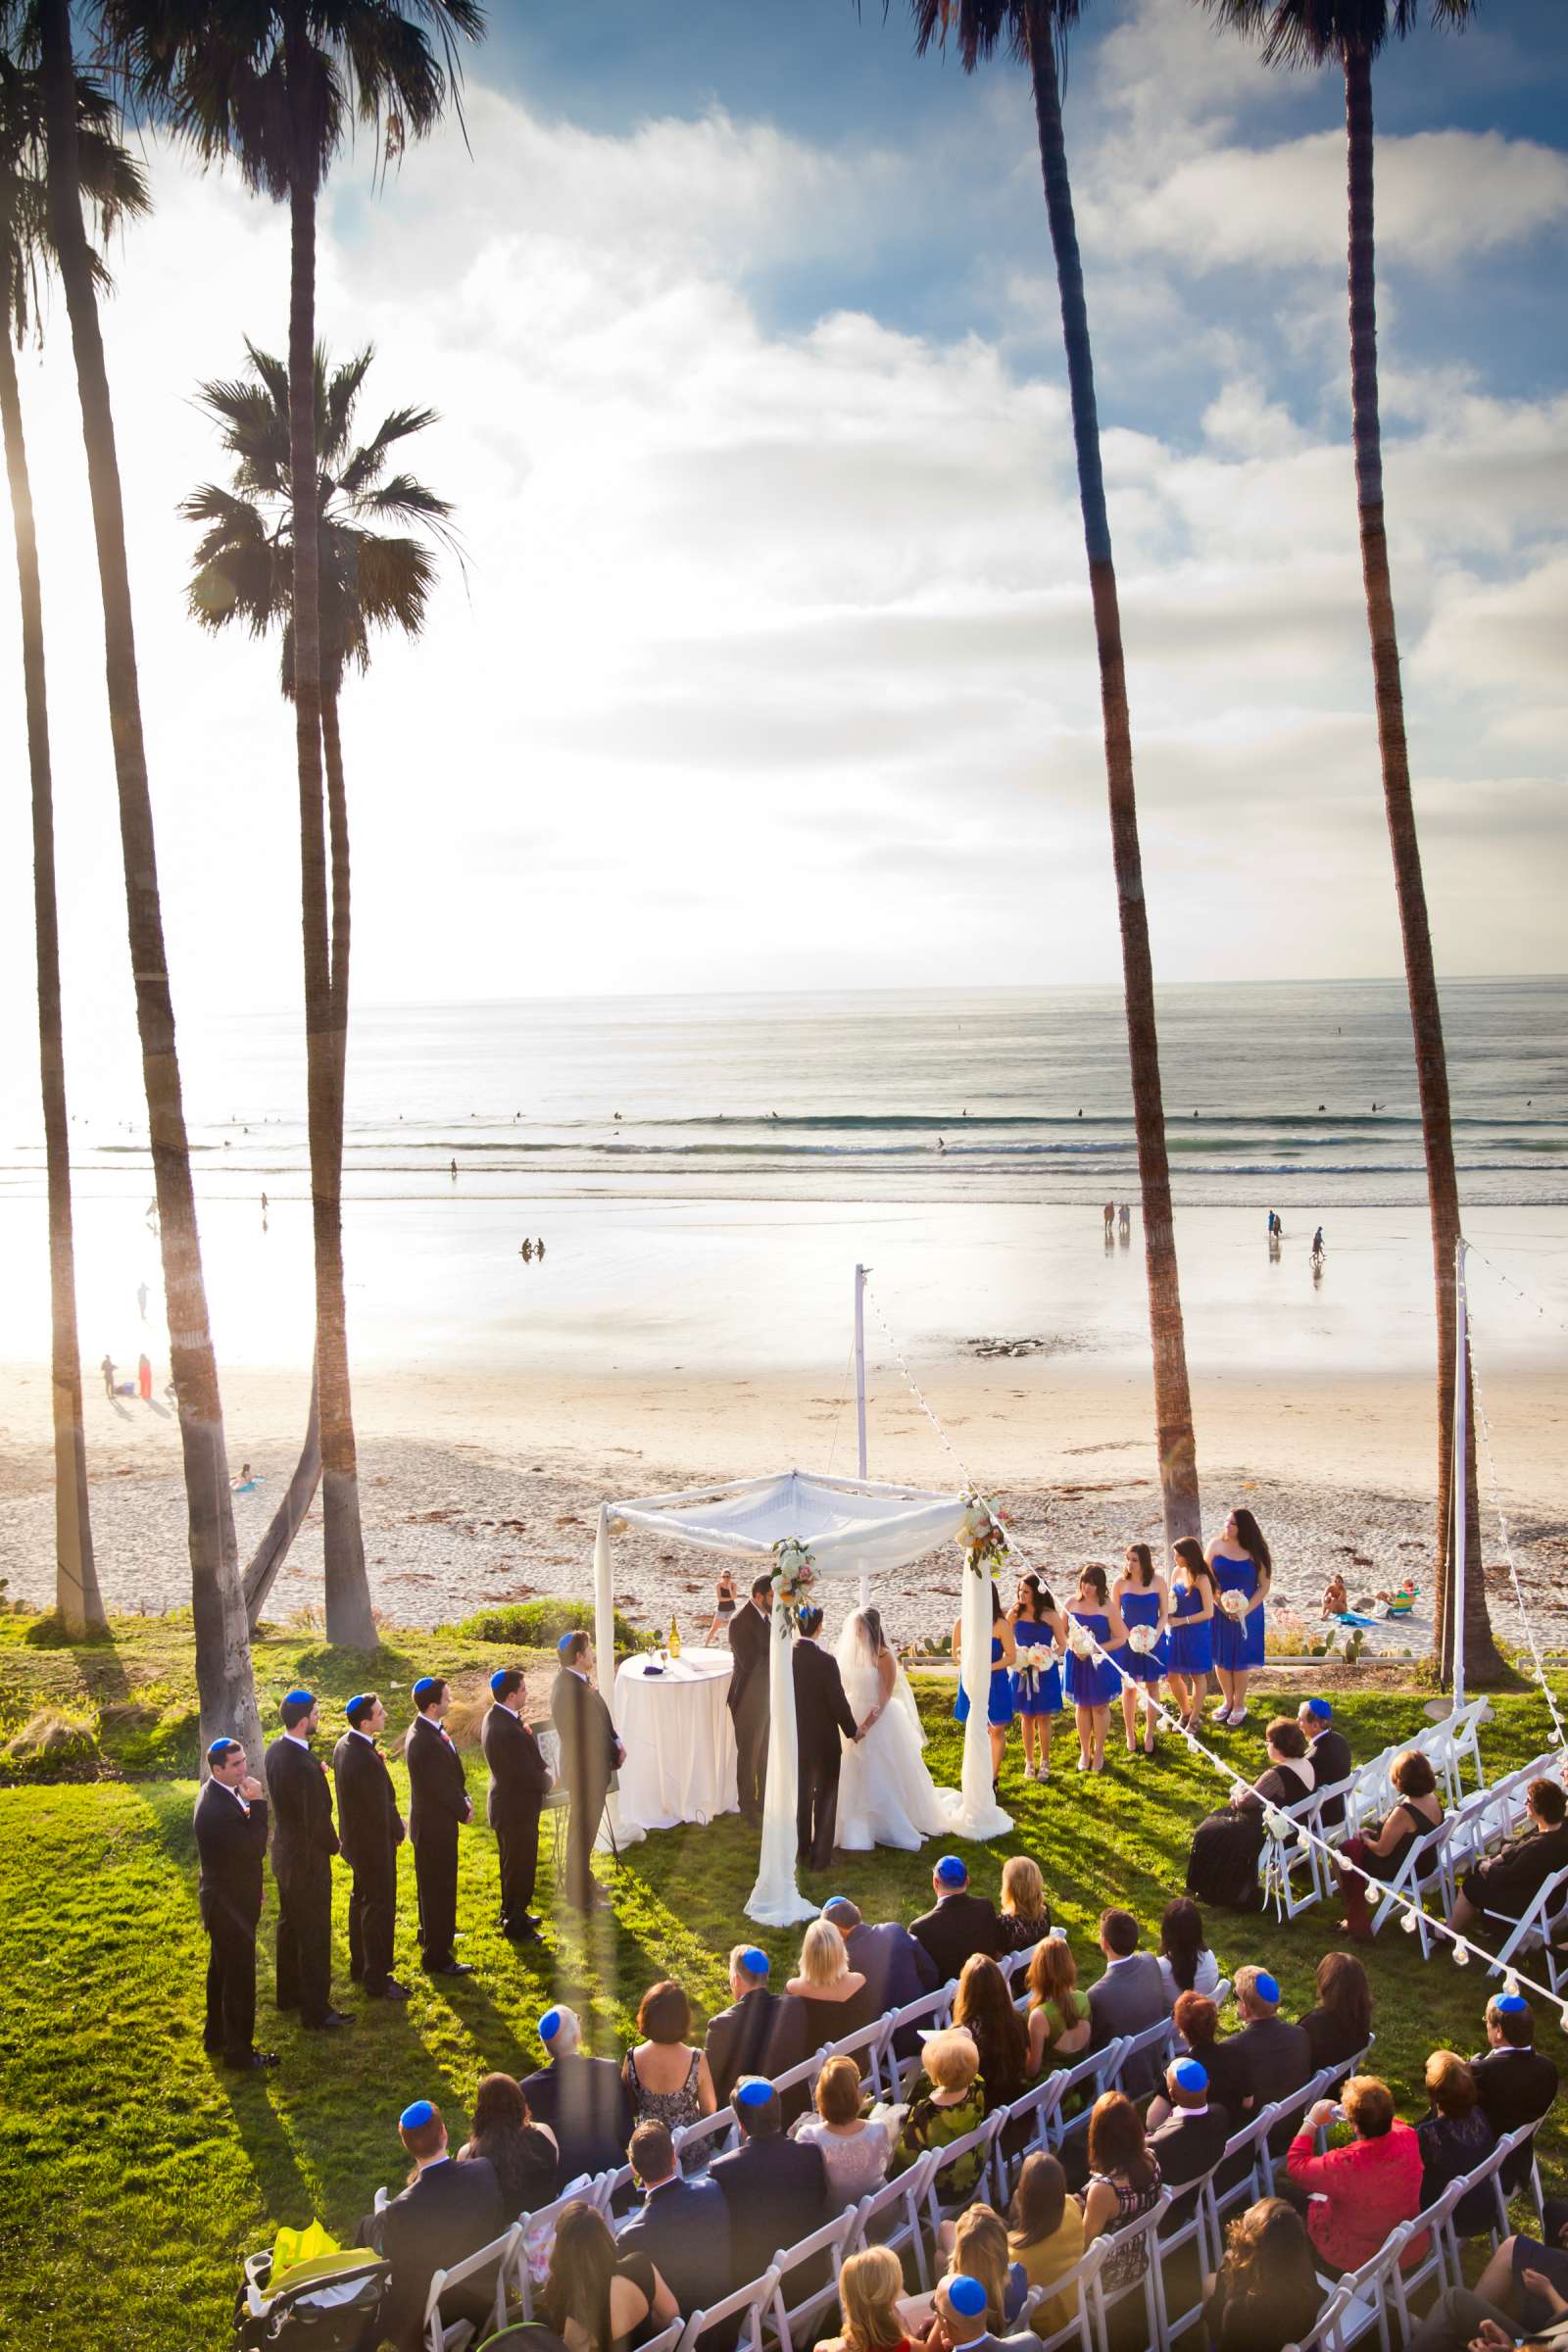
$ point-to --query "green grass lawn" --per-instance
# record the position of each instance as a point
(133, 2176)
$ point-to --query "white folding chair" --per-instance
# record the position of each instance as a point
(1438, 2266)
(1145, 2284)
(452, 2335)
(1496, 2163)
(1419, 1873)
(533, 2228)
(1247, 2155)
(796, 2324)
(1366, 2295)
(942, 2197)
(1535, 1925)
(1282, 1858)
(1187, 2229)
(1028, 2129)
(1084, 2327)
(1097, 2067)
(748, 2304)
(1141, 2060)
(666, 2339)
(716, 2134)
(1324, 2337)
(902, 2199)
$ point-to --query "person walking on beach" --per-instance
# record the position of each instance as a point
(1111, 1210)
(438, 1807)
(107, 1368)
(1124, 1221)
(749, 1636)
(539, 1247)
(1318, 1250)
(144, 1380)
(525, 1253)
(141, 1299)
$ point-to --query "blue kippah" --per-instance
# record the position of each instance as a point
(299, 1699)
(360, 1704)
(951, 1871)
(755, 1961)
(565, 1644)
(754, 2093)
(1512, 2004)
(414, 2118)
(424, 1685)
(499, 1680)
(1266, 1987)
(220, 1750)
(1319, 1709)
(966, 2295)
(550, 2025)
(1190, 2075)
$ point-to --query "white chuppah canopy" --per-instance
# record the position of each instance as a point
(851, 1528)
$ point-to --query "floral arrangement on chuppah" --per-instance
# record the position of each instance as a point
(794, 1574)
(981, 1536)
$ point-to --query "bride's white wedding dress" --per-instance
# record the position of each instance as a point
(886, 1795)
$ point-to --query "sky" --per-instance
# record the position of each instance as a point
(768, 662)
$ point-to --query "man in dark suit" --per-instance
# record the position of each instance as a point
(438, 1807)
(583, 2100)
(681, 2225)
(760, 2033)
(1278, 2055)
(519, 1782)
(897, 1968)
(231, 1848)
(823, 1721)
(1515, 2082)
(775, 2188)
(751, 1630)
(960, 1925)
(369, 1830)
(1329, 1752)
(304, 1843)
(1507, 1881)
(589, 1756)
(447, 2212)
(1191, 2141)
(1128, 1998)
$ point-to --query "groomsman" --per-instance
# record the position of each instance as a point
(589, 1755)
(438, 1807)
(749, 1633)
(230, 1846)
(822, 1714)
(520, 1781)
(370, 1829)
(304, 1843)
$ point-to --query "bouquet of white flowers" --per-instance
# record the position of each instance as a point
(1142, 1638)
(1234, 1604)
(1081, 1640)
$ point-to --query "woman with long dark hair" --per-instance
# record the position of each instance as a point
(524, 2153)
(1194, 1599)
(1123, 2185)
(1266, 2294)
(1045, 2236)
(1185, 1961)
(1039, 1635)
(1143, 1599)
(983, 2006)
(1339, 2023)
(1093, 1680)
(1000, 1703)
(593, 2299)
(1243, 1569)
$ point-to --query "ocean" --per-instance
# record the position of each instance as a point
(1293, 1094)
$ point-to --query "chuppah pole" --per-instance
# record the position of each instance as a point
(859, 1397)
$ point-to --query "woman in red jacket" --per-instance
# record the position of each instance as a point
(1359, 2194)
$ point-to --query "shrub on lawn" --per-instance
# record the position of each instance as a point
(52, 1738)
(540, 1624)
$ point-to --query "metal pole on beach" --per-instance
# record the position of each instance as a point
(859, 1397)
(1460, 1500)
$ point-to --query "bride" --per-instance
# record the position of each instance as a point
(886, 1796)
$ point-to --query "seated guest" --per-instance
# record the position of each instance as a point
(1456, 2137)
(1025, 1912)
(447, 2212)
(1227, 1845)
(856, 2150)
(582, 2100)
(1464, 2320)
(1191, 2141)
(983, 2006)
(870, 2290)
(962, 1923)
(1129, 1996)
(681, 2225)
(961, 2321)
(1328, 1751)
(1279, 2055)
(1266, 2294)
(1339, 2024)
(775, 2188)
(897, 1968)
(833, 1996)
(1226, 2063)
(759, 2034)
(1359, 2194)
(1046, 2236)
(595, 2297)
(521, 2153)
(667, 2080)
(946, 2100)
(1507, 1881)
(1379, 1851)
(1059, 2013)
(1523, 2290)
(1185, 1961)
(1515, 2082)
(979, 2250)
(1123, 2185)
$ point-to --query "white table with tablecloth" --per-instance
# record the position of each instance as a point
(679, 1739)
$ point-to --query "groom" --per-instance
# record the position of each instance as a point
(821, 1713)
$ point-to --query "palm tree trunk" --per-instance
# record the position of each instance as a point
(1173, 1406)
(1482, 1661)
(78, 1599)
(224, 1683)
(289, 1517)
(349, 1618)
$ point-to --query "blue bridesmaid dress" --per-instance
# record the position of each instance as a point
(1143, 1608)
(1237, 1648)
(1192, 1635)
(1038, 1694)
(1091, 1683)
(999, 1704)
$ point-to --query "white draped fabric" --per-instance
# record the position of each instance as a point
(851, 1528)
(679, 1740)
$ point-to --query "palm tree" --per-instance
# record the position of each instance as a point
(371, 579)
(1032, 30)
(225, 1687)
(1352, 33)
(115, 188)
(274, 83)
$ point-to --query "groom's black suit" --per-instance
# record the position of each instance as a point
(821, 1713)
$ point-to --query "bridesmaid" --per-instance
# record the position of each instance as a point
(1093, 1682)
(1037, 1629)
(999, 1706)
(1242, 1563)
(1192, 1630)
(1144, 1598)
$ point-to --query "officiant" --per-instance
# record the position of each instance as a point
(749, 1633)
(822, 1714)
